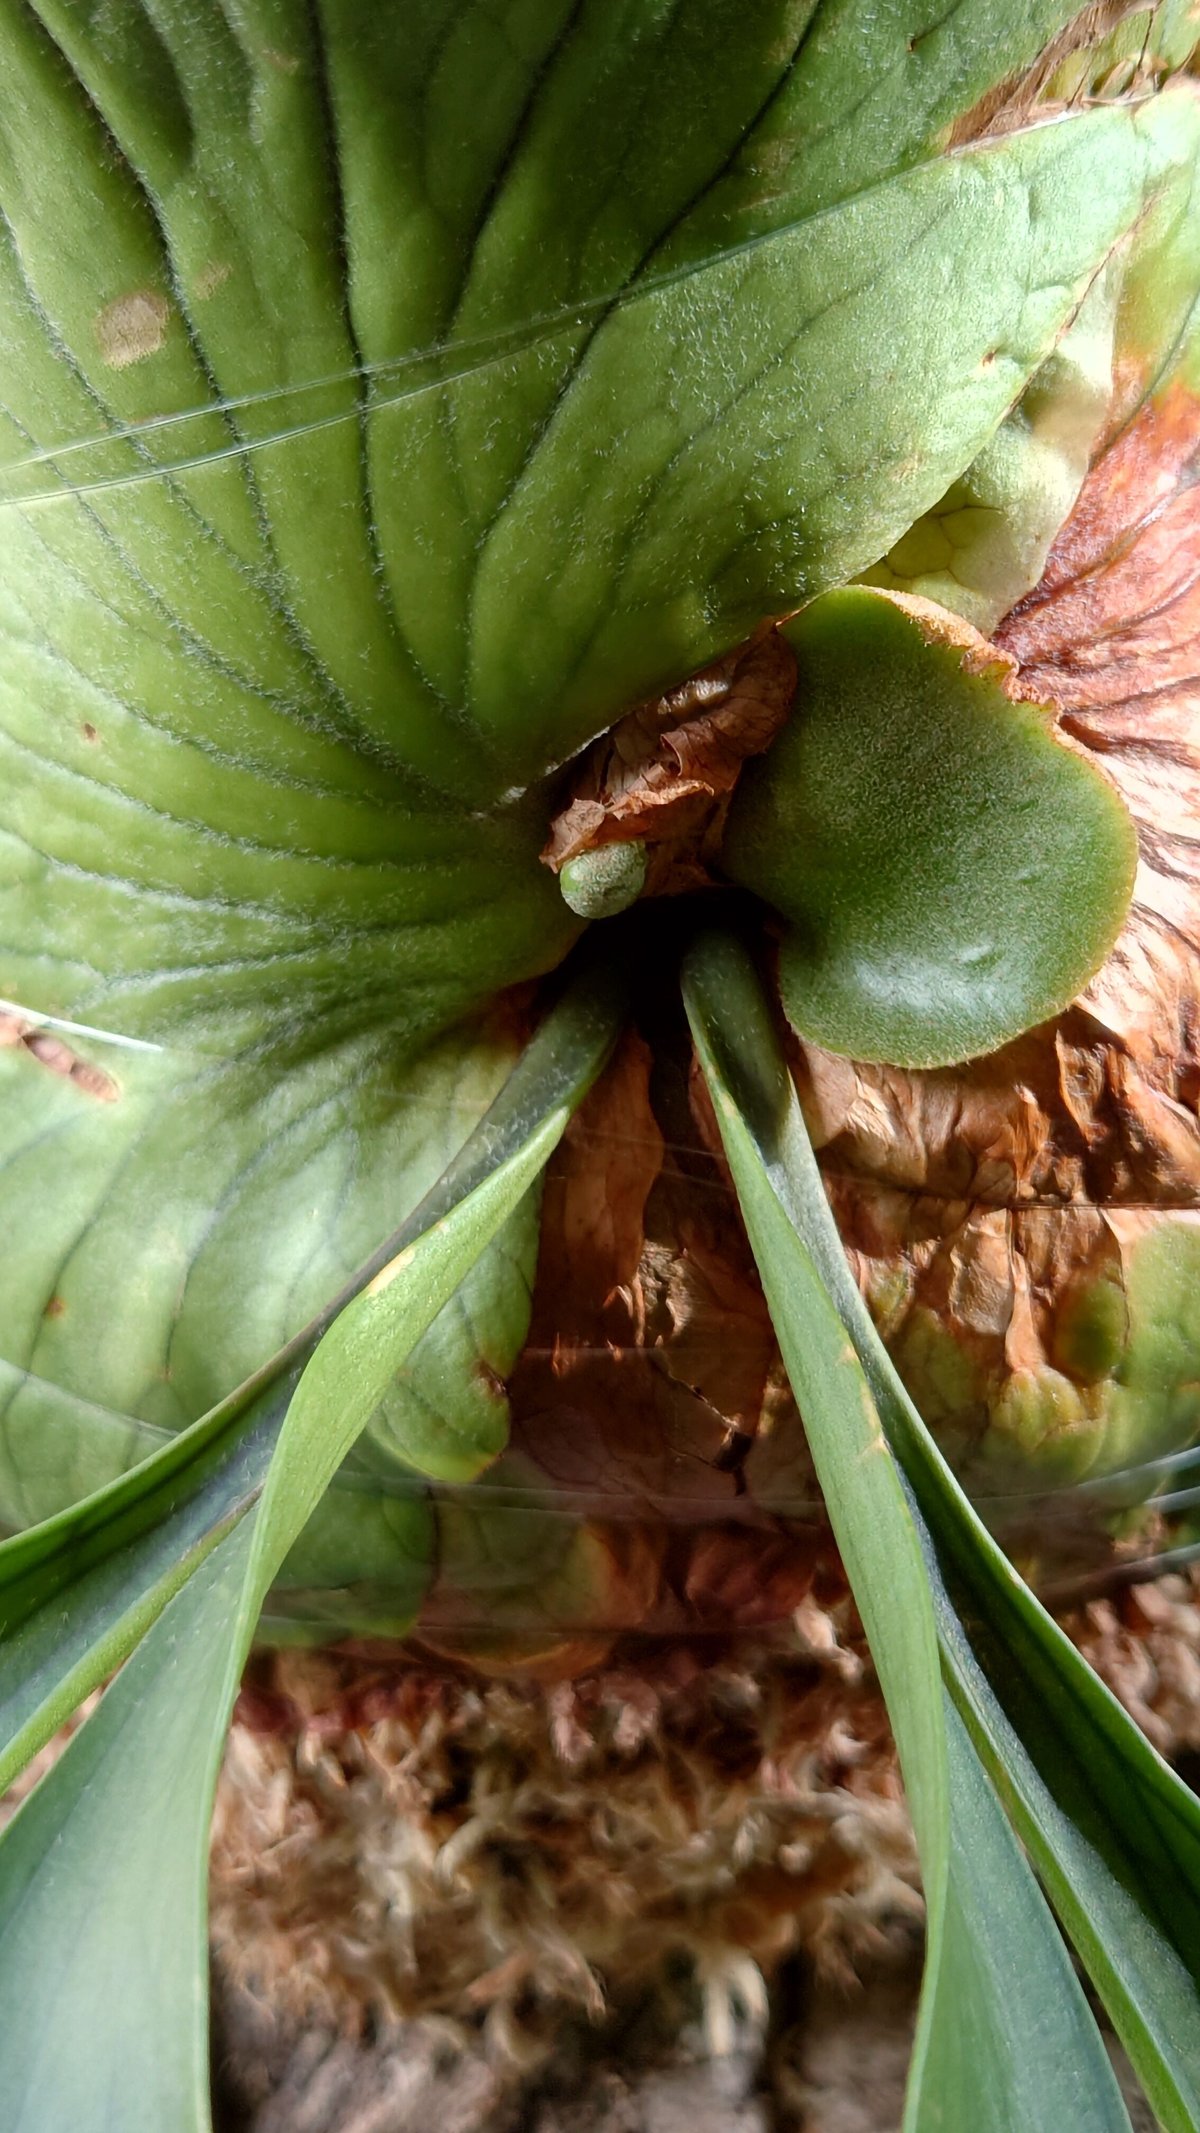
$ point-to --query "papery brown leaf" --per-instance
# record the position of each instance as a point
(593, 1205)
(646, 1369)
(704, 1304)
(663, 772)
(649, 1364)
(626, 1276)
(1112, 636)
(731, 1584)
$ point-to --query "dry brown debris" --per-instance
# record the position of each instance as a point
(412, 1842)
(664, 773)
(1145, 1643)
(1038, 92)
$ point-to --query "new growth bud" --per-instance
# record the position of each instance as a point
(598, 884)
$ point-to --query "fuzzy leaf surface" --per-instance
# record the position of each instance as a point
(950, 873)
(254, 776)
(290, 459)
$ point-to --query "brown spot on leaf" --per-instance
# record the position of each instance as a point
(1031, 93)
(212, 276)
(89, 731)
(52, 1053)
(132, 327)
(55, 1308)
(663, 775)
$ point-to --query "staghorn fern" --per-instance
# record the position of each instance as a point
(471, 471)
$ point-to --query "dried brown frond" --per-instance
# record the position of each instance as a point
(664, 773)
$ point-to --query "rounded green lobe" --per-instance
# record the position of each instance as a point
(950, 874)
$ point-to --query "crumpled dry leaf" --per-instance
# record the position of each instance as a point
(649, 1366)
(594, 1203)
(649, 1341)
(1112, 636)
(664, 772)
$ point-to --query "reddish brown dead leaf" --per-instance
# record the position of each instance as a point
(663, 774)
(646, 1368)
(649, 1342)
(593, 1207)
(590, 1400)
(1112, 636)
(704, 1305)
(730, 1583)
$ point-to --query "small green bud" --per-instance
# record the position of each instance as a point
(599, 884)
